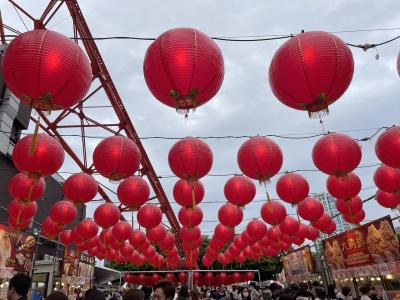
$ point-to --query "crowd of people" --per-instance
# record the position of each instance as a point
(20, 284)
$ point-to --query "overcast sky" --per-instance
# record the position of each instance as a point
(245, 104)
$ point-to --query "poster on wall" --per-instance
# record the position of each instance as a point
(374, 243)
(298, 262)
(17, 250)
(70, 266)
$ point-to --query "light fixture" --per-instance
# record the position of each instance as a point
(389, 276)
(372, 279)
(361, 278)
(378, 278)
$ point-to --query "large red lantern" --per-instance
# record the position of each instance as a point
(189, 235)
(19, 224)
(46, 70)
(273, 212)
(51, 227)
(106, 215)
(323, 222)
(331, 228)
(311, 71)
(310, 209)
(353, 205)
(259, 158)
(133, 192)
(22, 210)
(302, 233)
(66, 237)
(190, 158)
(149, 252)
(127, 250)
(116, 157)
(38, 155)
(190, 217)
(239, 242)
(230, 215)
(312, 234)
(239, 190)
(122, 230)
(93, 242)
(137, 238)
(63, 212)
(292, 188)
(247, 238)
(289, 226)
(387, 179)
(388, 200)
(345, 187)
(355, 218)
(88, 229)
(336, 154)
(273, 234)
(183, 192)
(80, 188)
(224, 233)
(222, 259)
(26, 189)
(168, 242)
(183, 68)
(149, 216)
(257, 229)
(387, 147)
(156, 234)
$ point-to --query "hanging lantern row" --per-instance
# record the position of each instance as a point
(183, 68)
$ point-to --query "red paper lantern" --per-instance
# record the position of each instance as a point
(76, 237)
(137, 238)
(353, 205)
(298, 241)
(323, 222)
(26, 189)
(273, 234)
(239, 190)
(302, 233)
(230, 215)
(168, 242)
(190, 158)
(149, 252)
(257, 229)
(234, 250)
(66, 237)
(93, 242)
(387, 179)
(260, 158)
(387, 147)
(190, 217)
(292, 188)
(46, 70)
(248, 253)
(21, 224)
(133, 192)
(22, 210)
(106, 215)
(310, 209)
(116, 157)
(88, 229)
(149, 216)
(183, 192)
(127, 250)
(223, 233)
(355, 218)
(273, 212)
(336, 154)
(51, 227)
(331, 229)
(156, 234)
(312, 234)
(289, 226)
(222, 259)
(183, 68)
(388, 200)
(311, 71)
(63, 212)
(240, 258)
(286, 238)
(40, 157)
(345, 187)
(189, 235)
(239, 242)
(247, 238)
(106, 236)
(80, 188)
(122, 230)
(182, 277)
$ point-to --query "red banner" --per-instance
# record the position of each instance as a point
(16, 249)
(372, 243)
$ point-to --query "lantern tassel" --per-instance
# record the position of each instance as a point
(32, 147)
(193, 196)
